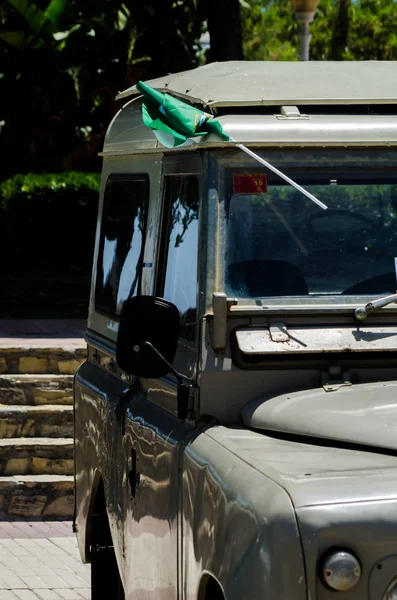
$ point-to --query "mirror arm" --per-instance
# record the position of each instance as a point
(122, 401)
(177, 375)
(183, 392)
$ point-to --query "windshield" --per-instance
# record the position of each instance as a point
(279, 243)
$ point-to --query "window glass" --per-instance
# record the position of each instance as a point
(279, 243)
(122, 242)
(180, 285)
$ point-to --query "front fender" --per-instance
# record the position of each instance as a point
(239, 526)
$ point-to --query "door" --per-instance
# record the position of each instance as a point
(154, 436)
(98, 430)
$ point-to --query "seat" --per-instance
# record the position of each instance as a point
(377, 285)
(257, 278)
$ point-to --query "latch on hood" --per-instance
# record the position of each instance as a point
(333, 379)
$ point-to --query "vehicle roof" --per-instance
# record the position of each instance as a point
(260, 83)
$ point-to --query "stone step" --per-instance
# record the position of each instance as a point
(37, 496)
(36, 421)
(36, 389)
(41, 356)
(36, 456)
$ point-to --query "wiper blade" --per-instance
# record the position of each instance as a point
(362, 312)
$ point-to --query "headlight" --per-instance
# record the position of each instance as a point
(391, 592)
(340, 570)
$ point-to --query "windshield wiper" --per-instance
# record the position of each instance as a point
(362, 312)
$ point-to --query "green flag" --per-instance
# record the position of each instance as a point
(174, 121)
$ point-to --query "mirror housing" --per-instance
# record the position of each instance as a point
(147, 319)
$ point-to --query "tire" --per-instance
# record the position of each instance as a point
(106, 583)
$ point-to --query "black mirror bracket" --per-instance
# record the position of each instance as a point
(183, 392)
(183, 395)
(177, 375)
(123, 400)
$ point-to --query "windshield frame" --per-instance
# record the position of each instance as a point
(382, 159)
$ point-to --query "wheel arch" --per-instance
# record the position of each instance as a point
(97, 504)
(210, 588)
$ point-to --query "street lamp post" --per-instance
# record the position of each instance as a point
(304, 11)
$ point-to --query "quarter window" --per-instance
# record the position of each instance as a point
(122, 242)
(180, 247)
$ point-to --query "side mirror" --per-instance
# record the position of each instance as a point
(148, 334)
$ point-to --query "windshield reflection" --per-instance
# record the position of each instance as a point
(280, 244)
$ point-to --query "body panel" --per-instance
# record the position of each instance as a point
(247, 83)
(277, 338)
(358, 414)
(151, 518)
(98, 452)
(367, 528)
(237, 525)
(258, 129)
(313, 474)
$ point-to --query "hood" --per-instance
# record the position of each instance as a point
(364, 414)
(310, 473)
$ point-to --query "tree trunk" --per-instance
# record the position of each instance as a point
(224, 26)
(340, 34)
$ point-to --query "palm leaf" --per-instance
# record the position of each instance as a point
(14, 38)
(54, 11)
(31, 13)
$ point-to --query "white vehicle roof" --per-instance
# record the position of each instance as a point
(259, 83)
(274, 104)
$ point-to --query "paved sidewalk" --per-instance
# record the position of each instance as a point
(69, 328)
(39, 560)
(56, 333)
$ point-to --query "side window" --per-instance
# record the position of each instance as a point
(122, 241)
(179, 249)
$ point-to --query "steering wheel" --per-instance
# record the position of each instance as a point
(336, 213)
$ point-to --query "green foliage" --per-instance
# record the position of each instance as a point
(341, 30)
(48, 188)
(68, 59)
(269, 30)
(49, 218)
(40, 23)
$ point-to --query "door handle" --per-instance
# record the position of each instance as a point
(133, 476)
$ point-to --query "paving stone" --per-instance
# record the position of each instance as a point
(60, 507)
(69, 594)
(48, 396)
(39, 357)
(37, 495)
(16, 466)
(36, 389)
(68, 366)
(84, 593)
(49, 577)
(12, 396)
(36, 456)
(32, 364)
(57, 466)
(11, 580)
(36, 421)
(8, 595)
(48, 567)
(48, 594)
(37, 363)
(32, 506)
(25, 594)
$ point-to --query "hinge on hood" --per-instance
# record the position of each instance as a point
(219, 330)
(334, 379)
